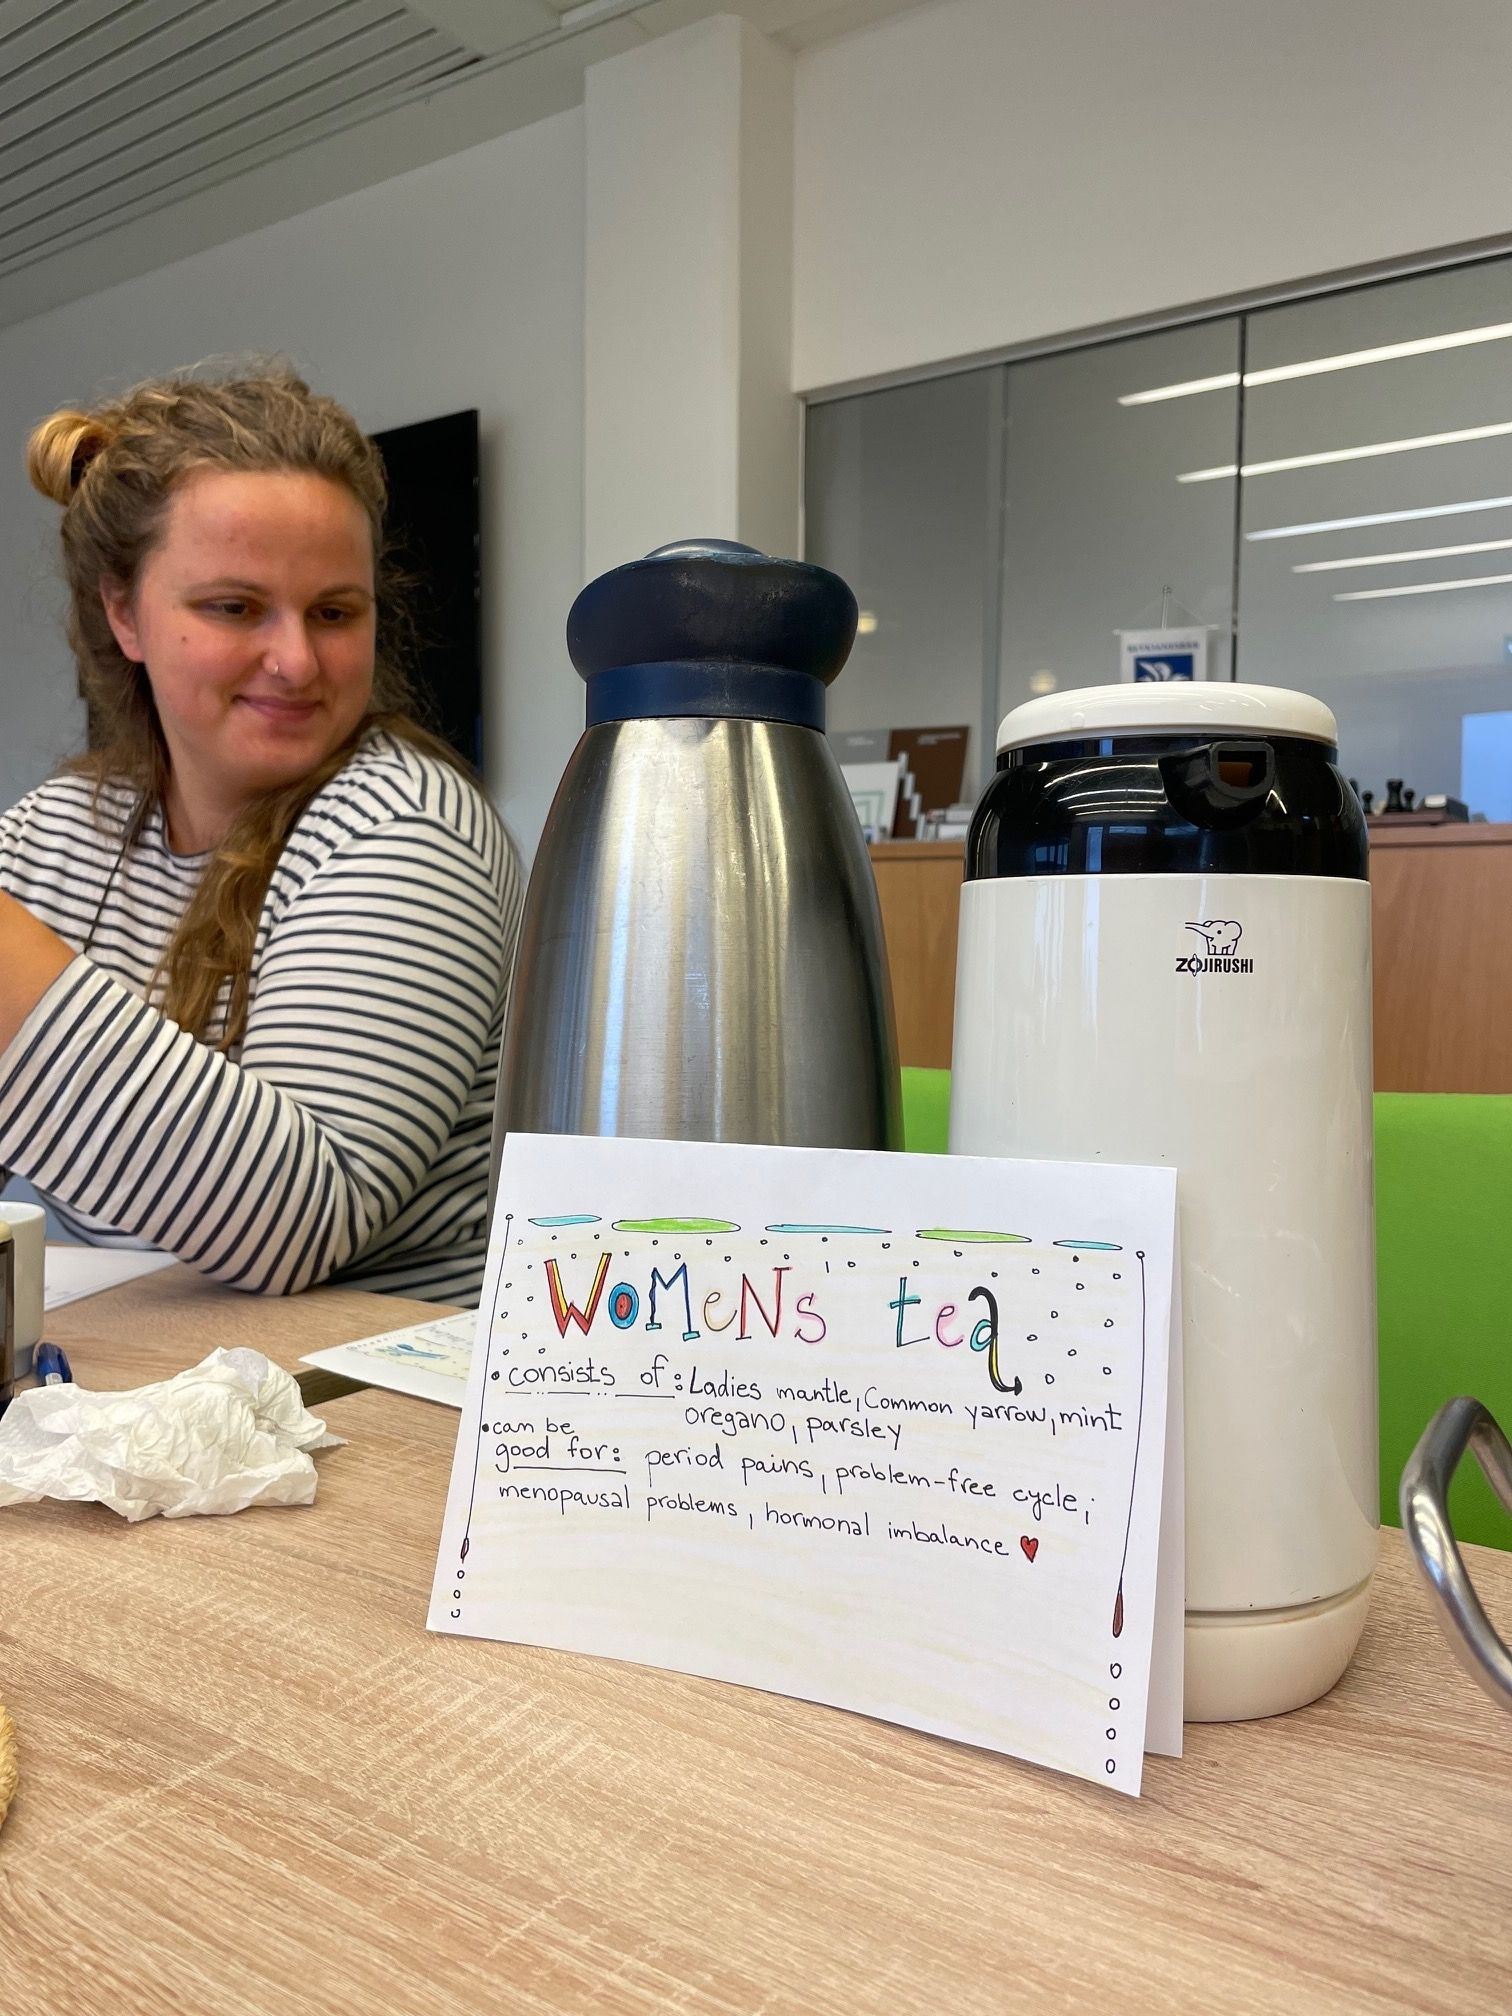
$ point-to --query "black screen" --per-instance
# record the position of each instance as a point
(433, 535)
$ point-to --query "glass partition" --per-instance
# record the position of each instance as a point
(901, 499)
(1100, 534)
(1001, 526)
(1376, 556)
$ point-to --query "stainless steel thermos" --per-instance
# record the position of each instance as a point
(701, 955)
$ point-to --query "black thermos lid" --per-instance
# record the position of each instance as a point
(708, 627)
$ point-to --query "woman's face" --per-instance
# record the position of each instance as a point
(254, 617)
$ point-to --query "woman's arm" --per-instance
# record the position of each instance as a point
(31, 958)
(373, 1000)
(32, 955)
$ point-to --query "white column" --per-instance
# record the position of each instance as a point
(690, 424)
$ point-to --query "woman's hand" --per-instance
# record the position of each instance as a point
(31, 958)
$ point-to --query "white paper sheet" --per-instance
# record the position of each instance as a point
(74, 1272)
(430, 1361)
(1164, 1725)
(883, 1431)
(873, 789)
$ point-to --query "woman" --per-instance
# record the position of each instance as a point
(255, 946)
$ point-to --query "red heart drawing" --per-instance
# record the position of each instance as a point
(1030, 1547)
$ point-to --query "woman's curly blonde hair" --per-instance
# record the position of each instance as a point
(114, 470)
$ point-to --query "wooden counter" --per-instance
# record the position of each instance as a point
(254, 1785)
(1442, 914)
(919, 888)
(1442, 908)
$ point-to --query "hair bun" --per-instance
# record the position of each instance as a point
(62, 448)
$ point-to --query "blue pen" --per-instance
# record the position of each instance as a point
(51, 1367)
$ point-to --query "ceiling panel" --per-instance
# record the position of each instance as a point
(492, 26)
(265, 54)
(120, 119)
(112, 108)
(91, 44)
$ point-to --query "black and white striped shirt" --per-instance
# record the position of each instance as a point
(347, 1136)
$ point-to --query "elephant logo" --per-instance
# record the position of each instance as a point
(1221, 935)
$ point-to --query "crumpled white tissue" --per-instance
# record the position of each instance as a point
(230, 1432)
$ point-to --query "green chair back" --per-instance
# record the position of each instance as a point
(1444, 1280)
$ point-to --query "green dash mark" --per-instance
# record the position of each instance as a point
(948, 1238)
(829, 1231)
(1089, 1245)
(674, 1226)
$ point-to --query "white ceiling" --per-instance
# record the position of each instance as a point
(135, 131)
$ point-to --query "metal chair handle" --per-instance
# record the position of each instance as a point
(1458, 1425)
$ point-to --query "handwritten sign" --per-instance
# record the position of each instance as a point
(884, 1431)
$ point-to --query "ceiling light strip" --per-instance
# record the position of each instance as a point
(1381, 518)
(1391, 559)
(1313, 367)
(1367, 451)
(1224, 381)
(1424, 588)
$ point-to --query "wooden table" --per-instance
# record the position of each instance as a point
(252, 1785)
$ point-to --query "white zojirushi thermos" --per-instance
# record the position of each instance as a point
(1165, 958)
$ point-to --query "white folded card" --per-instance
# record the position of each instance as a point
(898, 1433)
